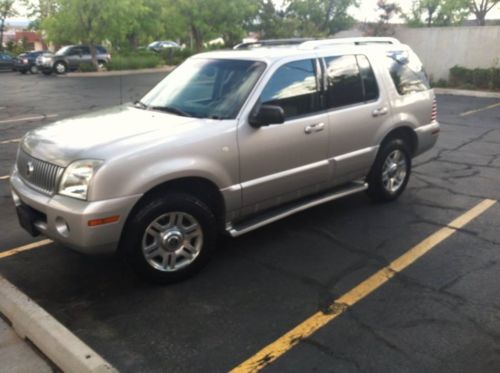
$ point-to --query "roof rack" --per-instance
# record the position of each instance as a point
(322, 43)
(272, 43)
(311, 43)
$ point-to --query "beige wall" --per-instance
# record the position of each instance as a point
(441, 48)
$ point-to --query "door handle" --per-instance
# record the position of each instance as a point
(380, 111)
(314, 128)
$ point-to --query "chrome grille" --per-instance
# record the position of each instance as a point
(41, 175)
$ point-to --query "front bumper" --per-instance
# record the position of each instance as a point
(65, 219)
(426, 137)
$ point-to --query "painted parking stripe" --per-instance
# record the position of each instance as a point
(9, 141)
(20, 249)
(286, 342)
(25, 119)
(63, 348)
(5, 177)
(470, 112)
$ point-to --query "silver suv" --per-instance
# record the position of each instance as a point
(228, 142)
(71, 57)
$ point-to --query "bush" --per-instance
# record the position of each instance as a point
(134, 61)
(461, 77)
(86, 67)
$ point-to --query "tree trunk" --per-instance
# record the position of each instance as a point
(1, 34)
(93, 53)
(198, 38)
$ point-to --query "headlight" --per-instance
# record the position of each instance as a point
(77, 176)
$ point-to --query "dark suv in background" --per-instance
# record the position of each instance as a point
(27, 62)
(71, 57)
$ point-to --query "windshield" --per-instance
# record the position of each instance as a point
(63, 49)
(206, 88)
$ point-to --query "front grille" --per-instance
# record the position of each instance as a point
(41, 175)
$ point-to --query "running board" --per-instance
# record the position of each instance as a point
(294, 207)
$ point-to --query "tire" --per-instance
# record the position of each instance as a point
(390, 172)
(60, 67)
(33, 69)
(101, 64)
(157, 229)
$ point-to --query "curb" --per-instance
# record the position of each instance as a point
(466, 92)
(117, 73)
(62, 347)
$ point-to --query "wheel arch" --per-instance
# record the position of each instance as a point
(405, 133)
(199, 187)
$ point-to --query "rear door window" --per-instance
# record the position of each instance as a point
(294, 87)
(407, 72)
(350, 80)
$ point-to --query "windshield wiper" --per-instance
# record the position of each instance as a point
(170, 109)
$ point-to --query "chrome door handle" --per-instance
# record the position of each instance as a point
(314, 128)
(380, 111)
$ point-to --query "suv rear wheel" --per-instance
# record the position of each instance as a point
(60, 67)
(169, 238)
(390, 172)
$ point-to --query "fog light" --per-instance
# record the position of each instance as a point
(62, 227)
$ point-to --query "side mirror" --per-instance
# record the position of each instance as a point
(266, 115)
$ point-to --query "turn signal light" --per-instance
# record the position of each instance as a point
(109, 219)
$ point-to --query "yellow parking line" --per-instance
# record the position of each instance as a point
(20, 249)
(286, 342)
(9, 141)
(464, 114)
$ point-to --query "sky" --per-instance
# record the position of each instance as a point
(367, 11)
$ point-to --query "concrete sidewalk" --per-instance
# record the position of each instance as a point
(17, 355)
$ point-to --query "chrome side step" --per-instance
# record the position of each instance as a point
(294, 207)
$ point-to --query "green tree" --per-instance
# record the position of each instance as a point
(86, 21)
(206, 19)
(39, 10)
(437, 13)
(386, 11)
(6, 10)
(480, 8)
(321, 17)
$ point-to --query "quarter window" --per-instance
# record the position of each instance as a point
(407, 72)
(294, 87)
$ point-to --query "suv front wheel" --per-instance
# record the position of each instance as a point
(169, 237)
(390, 172)
(60, 67)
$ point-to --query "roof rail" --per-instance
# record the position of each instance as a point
(272, 43)
(321, 43)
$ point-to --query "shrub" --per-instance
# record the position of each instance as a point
(461, 77)
(134, 61)
(86, 67)
(482, 78)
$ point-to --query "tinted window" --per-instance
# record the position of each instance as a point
(407, 72)
(370, 87)
(344, 81)
(293, 87)
(85, 50)
(73, 51)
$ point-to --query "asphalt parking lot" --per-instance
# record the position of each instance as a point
(439, 314)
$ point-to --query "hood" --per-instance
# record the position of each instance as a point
(105, 134)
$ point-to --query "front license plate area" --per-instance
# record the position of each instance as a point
(27, 217)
